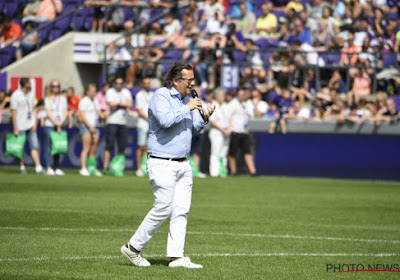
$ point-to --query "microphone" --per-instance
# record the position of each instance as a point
(194, 95)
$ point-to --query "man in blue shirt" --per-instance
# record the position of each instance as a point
(172, 120)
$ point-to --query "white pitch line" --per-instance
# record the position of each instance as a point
(78, 258)
(285, 236)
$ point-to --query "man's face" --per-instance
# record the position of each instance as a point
(118, 84)
(186, 83)
(28, 85)
(146, 84)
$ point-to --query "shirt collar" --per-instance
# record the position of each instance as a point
(174, 92)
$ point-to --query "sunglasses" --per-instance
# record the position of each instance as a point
(55, 86)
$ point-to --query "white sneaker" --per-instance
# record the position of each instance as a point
(202, 175)
(184, 262)
(59, 172)
(139, 173)
(98, 173)
(84, 172)
(50, 171)
(135, 258)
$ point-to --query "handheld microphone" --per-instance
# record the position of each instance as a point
(194, 95)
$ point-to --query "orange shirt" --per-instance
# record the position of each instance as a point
(350, 52)
(73, 102)
(15, 31)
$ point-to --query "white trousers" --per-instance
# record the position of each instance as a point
(219, 149)
(172, 183)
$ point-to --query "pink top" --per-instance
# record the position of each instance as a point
(101, 99)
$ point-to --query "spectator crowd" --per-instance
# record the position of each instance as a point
(297, 60)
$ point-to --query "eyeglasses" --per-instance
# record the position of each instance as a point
(55, 86)
(118, 84)
(189, 81)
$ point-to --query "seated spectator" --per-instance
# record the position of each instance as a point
(267, 24)
(144, 61)
(171, 31)
(388, 114)
(192, 11)
(10, 30)
(256, 69)
(283, 103)
(123, 59)
(298, 112)
(301, 34)
(30, 11)
(260, 106)
(246, 21)
(210, 9)
(361, 86)
(350, 52)
(307, 91)
(217, 28)
(336, 82)
(48, 10)
(323, 38)
(28, 44)
(204, 61)
(73, 106)
(116, 20)
(236, 11)
(338, 9)
(336, 112)
(306, 54)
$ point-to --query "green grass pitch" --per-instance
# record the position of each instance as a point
(72, 227)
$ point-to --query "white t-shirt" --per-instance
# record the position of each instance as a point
(57, 105)
(91, 108)
(262, 106)
(23, 104)
(142, 99)
(117, 116)
(170, 29)
(239, 116)
(221, 115)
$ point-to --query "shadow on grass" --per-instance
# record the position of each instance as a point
(154, 262)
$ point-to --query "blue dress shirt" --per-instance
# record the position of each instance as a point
(171, 124)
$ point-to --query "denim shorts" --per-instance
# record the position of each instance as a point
(85, 130)
(142, 135)
(32, 138)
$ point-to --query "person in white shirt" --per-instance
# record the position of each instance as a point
(142, 99)
(56, 107)
(24, 121)
(240, 137)
(120, 100)
(89, 113)
(220, 131)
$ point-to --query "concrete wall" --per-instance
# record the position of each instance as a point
(53, 61)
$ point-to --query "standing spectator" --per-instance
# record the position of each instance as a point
(10, 30)
(89, 113)
(142, 99)
(120, 100)
(23, 118)
(30, 11)
(73, 105)
(123, 59)
(336, 82)
(298, 112)
(101, 100)
(57, 112)
(220, 131)
(48, 10)
(388, 114)
(240, 138)
(28, 44)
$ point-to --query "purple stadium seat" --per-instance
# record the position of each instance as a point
(128, 14)
(7, 56)
(263, 43)
(44, 32)
(10, 7)
(389, 59)
(89, 20)
(59, 28)
(173, 55)
(239, 57)
(1, 5)
(79, 19)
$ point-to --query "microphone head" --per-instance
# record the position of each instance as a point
(194, 93)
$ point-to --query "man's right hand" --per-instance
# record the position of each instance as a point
(195, 103)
